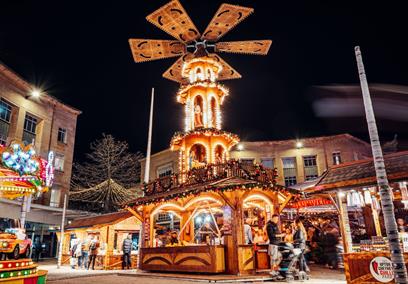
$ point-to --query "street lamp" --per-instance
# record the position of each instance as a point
(299, 144)
(34, 93)
(240, 147)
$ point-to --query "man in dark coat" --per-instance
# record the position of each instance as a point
(275, 237)
(127, 249)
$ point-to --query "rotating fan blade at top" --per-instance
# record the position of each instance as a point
(227, 72)
(173, 19)
(149, 49)
(174, 72)
(226, 18)
(256, 47)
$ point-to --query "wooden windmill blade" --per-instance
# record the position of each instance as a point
(226, 18)
(174, 72)
(257, 47)
(173, 19)
(227, 72)
(149, 49)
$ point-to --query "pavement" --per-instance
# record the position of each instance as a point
(66, 275)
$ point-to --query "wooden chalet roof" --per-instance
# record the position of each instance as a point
(362, 173)
(104, 219)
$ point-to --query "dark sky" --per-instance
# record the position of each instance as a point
(78, 51)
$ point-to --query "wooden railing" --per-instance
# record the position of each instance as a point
(212, 173)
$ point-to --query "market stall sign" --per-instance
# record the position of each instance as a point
(381, 269)
(311, 203)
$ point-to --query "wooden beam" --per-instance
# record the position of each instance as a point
(223, 196)
(285, 202)
(134, 213)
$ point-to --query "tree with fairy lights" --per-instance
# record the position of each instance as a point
(108, 178)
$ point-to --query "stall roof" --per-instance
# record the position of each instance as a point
(104, 219)
(362, 173)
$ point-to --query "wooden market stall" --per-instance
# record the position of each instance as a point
(353, 189)
(207, 215)
(110, 229)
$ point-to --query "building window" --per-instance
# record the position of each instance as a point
(310, 166)
(62, 135)
(5, 117)
(247, 161)
(164, 171)
(59, 162)
(55, 197)
(336, 158)
(289, 171)
(30, 126)
(267, 163)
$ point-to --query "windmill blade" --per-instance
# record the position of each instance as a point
(149, 49)
(227, 72)
(173, 19)
(226, 18)
(257, 47)
(174, 72)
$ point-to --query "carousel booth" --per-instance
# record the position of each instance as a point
(352, 189)
(22, 174)
(110, 230)
(198, 226)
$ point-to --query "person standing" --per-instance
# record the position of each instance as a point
(93, 252)
(85, 253)
(274, 235)
(247, 232)
(37, 249)
(127, 250)
(299, 241)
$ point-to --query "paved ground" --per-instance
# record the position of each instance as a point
(66, 275)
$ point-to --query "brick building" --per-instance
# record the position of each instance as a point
(26, 117)
(296, 160)
(48, 122)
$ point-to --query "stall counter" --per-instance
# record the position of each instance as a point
(357, 266)
(200, 258)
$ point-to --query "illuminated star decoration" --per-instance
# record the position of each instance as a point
(20, 160)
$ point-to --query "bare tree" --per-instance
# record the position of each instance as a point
(382, 180)
(108, 178)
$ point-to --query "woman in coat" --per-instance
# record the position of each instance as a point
(299, 241)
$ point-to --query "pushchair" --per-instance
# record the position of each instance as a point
(289, 265)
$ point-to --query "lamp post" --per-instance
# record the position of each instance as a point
(387, 204)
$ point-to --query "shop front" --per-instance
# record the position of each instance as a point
(353, 191)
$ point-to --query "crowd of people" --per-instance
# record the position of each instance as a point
(84, 252)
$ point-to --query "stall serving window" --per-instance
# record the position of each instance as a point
(121, 235)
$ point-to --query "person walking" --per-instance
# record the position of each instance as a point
(274, 236)
(299, 241)
(127, 250)
(93, 252)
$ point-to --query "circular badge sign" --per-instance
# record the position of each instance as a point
(381, 269)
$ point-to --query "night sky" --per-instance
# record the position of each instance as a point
(78, 52)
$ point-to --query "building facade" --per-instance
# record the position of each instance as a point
(296, 161)
(44, 120)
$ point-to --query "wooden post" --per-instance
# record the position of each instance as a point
(344, 223)
(62, 232)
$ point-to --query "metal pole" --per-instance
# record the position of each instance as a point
(147, 172)
(62, 232)
(400, 271)
(24, 208)
(149, 141)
